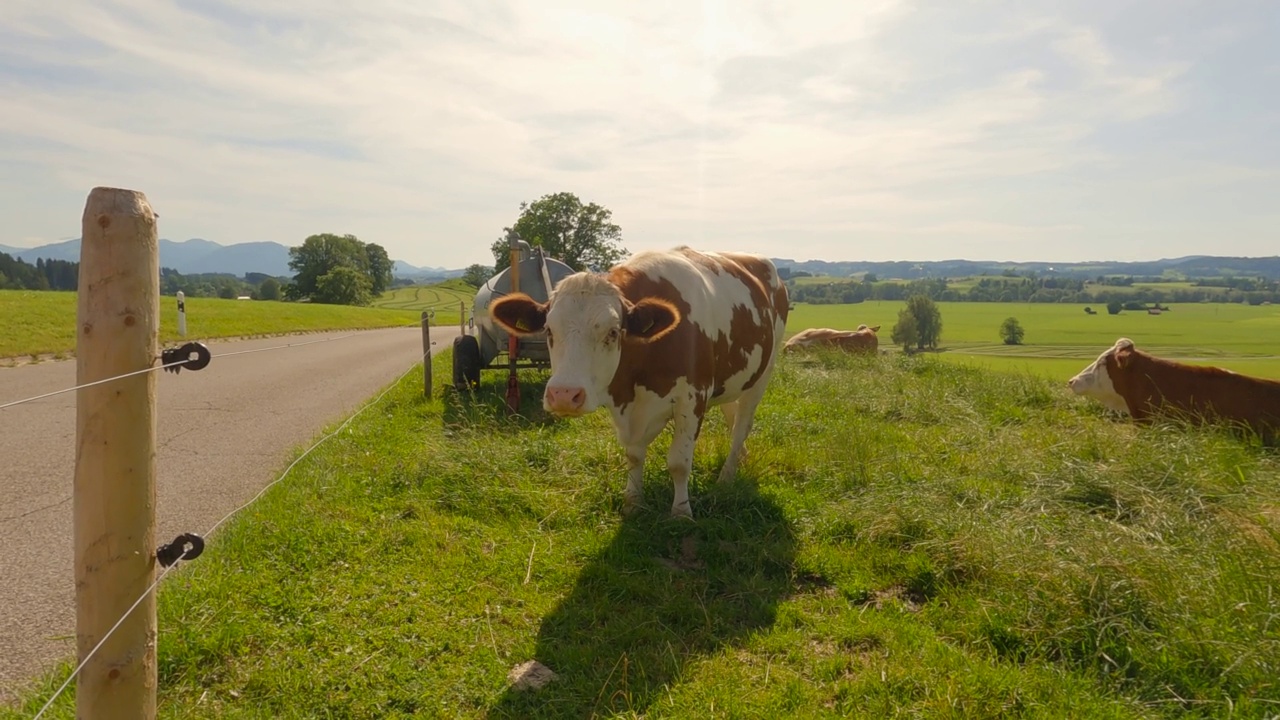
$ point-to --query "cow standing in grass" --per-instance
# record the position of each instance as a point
(1128, 380)
(660, 338)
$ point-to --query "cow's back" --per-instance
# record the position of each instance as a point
(733, 312)
(1153, 385)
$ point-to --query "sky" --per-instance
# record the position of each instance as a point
(808, 129)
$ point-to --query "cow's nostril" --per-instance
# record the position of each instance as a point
(579, 398)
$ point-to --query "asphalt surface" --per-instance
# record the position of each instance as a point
(223, 434)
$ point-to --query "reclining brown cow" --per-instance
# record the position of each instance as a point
(1131, 381)
(861, 340)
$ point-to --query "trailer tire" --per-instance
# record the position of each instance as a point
(466, 363)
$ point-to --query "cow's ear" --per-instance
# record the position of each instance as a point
(519, 314)
(1123, 352)
(650, 319)
(875, 329)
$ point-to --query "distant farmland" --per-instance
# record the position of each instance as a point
(442, 298)
(1061, 336)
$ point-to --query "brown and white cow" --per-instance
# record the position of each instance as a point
(1131, 381)
(660, 338)
(861, 340)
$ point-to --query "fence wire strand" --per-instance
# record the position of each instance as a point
(426, 357)
(76, 673)
(91, 384)
(183, 361)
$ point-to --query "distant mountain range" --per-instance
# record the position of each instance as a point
(197, 255)
(205, 256)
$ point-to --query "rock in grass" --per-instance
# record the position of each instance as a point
(531, 675)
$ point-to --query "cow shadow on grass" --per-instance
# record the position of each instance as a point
(661, 595)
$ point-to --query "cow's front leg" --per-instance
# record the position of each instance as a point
(636, 431)
(633, 496)
(684, 435)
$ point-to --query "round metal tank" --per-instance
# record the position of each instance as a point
(533, 283)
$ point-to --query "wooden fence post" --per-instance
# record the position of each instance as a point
(117, 320)
(462, 317)
(426, 354)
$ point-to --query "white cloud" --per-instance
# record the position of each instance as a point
(838, 130)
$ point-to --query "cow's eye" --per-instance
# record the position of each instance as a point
(613, 334)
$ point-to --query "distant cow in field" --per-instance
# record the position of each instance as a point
(861, 340)
(1128, 380)
(660, 338)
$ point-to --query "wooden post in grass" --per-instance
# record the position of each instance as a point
(117, 320)
(426, 354)
(462, 317)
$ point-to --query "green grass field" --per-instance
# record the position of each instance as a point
(1061, 339)
(945, 542)
(33, 323)
(442, 298)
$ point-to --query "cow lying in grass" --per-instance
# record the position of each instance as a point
(862, 340)
(1131, 381)
(660, 338)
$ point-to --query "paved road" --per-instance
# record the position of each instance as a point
(223, 433)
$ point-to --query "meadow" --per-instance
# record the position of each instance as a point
(1061, 339)
(945, 542)
(37, 323)
(442, 298)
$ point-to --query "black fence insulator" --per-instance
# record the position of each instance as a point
(192, 356)
(186, 546)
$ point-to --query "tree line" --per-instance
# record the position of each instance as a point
(1254, 291)
(17, 274)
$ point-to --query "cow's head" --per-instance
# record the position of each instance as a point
(1096, 381)
(587, 321)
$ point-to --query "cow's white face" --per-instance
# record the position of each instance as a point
(1095, 380)
(586, 321)
(584, 336)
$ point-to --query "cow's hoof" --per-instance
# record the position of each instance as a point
(681, 511)
(632, 506)
(727, 475)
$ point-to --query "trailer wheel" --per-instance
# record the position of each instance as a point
(466, 362)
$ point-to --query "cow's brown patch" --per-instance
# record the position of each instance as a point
(758, 276)
(688, 351)
(1154, 386)
(683, 352)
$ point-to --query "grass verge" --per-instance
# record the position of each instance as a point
(908, 538)
(36, 323)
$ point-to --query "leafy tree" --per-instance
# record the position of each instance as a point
(581, 236)
(1114, 307)
(323, 255)
(1011, 331)
(343, 286)
(227, 292)
(269, 289)
(928, 321)
(907, 331)
(477, 274)
(379, 268)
